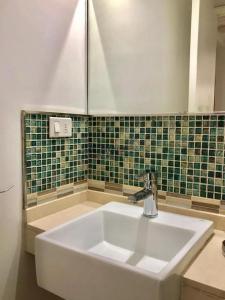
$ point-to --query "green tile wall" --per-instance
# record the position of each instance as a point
(50, 163)
(187, 152)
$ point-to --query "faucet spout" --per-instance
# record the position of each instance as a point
(150, 207)
(149, 195)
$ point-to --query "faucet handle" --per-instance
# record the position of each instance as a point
(153, 177)
(146, 178)
(149, 178)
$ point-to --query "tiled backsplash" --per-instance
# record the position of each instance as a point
(187, 152)
(51, 163)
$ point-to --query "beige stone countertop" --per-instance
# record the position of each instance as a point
(207, 272)
(62, 216)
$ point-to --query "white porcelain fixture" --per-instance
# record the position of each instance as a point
(116, 253)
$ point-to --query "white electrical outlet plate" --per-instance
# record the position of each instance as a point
(60, 127)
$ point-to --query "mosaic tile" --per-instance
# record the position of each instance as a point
(186, 152)
(53, 162)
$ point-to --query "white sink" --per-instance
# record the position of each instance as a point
(115, 253)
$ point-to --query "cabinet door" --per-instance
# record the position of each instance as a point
(138, 56)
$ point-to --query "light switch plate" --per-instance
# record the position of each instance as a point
(60, 127)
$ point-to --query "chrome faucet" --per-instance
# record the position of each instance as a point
(149, 194)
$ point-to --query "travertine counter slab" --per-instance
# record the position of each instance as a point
(207, 272)
(63, 216)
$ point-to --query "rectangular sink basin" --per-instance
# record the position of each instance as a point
(116, 253)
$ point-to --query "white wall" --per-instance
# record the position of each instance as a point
(202, 56)
(42, 63)
(139, 56)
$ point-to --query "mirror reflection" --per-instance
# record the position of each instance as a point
(220, 58)
(154, 57)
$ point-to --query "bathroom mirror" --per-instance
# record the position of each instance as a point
(220, 57)
(156, 57)
(207, 56)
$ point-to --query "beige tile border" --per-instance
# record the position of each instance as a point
(114, 187)
(103, 197)
(173, 199)
(39, 194)
(54, 206)
(78, 187)
(31, 200)
(129, 190)
(56, 193)
(46, 198)
(206, 200)
(100, 192)
(205, 204)
(95, 184)
(177, 200)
